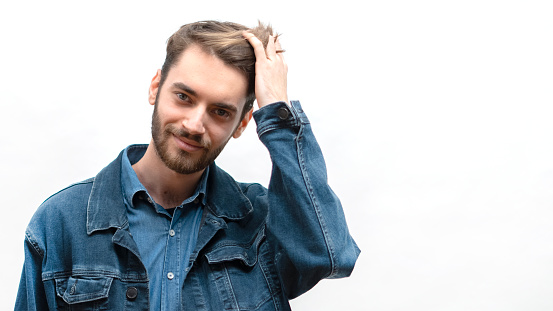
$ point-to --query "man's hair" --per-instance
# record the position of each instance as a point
(223, 40)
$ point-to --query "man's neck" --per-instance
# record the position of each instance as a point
(167, 187)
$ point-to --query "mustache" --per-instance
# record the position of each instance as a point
(180, 132)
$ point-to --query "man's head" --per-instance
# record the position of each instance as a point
(203, 94)
(223, 40)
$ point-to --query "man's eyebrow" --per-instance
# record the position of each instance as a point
(185, 88)
(229, 107)
(190, 91)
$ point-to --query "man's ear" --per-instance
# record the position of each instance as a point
(243, 123)
(154, 87)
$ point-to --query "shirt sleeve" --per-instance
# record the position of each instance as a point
(306, 221)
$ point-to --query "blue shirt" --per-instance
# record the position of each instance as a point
(164, 241)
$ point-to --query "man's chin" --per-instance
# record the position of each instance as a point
(185, 166)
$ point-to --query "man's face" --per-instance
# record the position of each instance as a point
(197, 110)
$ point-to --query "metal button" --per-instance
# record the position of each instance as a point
(132, 292)
(172, 232)
(283, 113)
(170, 275)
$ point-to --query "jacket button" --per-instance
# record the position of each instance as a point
(283, 113)
(132, 292)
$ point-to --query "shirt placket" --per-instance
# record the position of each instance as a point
(172, 267)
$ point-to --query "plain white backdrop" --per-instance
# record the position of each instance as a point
(434, 118)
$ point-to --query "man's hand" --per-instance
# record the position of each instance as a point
(270, 71)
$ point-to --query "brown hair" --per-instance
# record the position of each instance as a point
(223, 40)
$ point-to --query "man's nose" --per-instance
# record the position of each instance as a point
(193, 122)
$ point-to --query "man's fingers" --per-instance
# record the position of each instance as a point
(278, 47)
(271, 53)
(270, 71)
(277, 44)
(258, 49)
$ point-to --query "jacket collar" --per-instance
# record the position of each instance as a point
(224, 197)
(106, 208)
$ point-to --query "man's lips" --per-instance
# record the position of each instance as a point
(187, 144)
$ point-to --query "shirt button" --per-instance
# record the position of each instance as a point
(132, 292)
(172, 232)
(150, 200)
(283, 113)
(196, 201)
(170, 275)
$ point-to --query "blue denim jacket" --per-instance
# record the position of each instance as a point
(256, 248)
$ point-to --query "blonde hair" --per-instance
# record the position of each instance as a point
(223, 40)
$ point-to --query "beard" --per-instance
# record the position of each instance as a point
(181, 161)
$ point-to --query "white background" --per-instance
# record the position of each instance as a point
(434, 118)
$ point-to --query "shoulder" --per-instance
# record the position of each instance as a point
(257, 195)
(70, 197)
(221, 183)
(65, 206)
(252, 189)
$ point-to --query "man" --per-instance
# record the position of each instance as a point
(163, 228)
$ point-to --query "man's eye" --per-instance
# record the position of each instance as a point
(183, 97)
(221, 112)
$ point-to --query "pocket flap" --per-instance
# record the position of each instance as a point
(228, 252)
(77, 289)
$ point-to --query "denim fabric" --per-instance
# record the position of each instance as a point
(256, 248)
(165, 242)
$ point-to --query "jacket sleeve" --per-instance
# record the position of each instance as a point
(305, 221)
(31, 295)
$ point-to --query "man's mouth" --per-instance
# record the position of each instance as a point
(187, 144)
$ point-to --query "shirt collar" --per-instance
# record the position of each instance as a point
(106, 208)
(131, 185)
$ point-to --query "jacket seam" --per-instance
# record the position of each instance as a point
(315, 204)
(86, 181)
(29, 238)
(250, 243)
(104, 273)
(285, 125)
(268, 280)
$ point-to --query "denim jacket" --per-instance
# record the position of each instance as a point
(256, 248)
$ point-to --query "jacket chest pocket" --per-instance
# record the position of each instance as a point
(83, 292)
(241, 275)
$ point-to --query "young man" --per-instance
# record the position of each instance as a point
(163, 228)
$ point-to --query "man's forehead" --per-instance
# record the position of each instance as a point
(206, 75)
